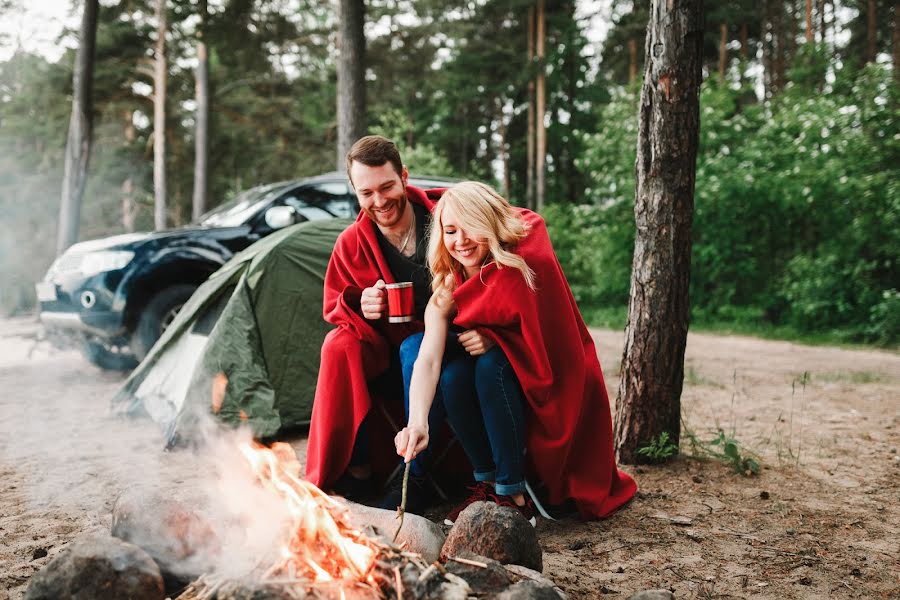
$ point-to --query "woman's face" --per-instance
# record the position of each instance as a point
(470, 252)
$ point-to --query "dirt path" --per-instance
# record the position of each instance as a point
(820, 521)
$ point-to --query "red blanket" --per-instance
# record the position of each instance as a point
(357, 350)
(569, 428)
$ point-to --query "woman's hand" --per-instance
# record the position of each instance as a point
(411, 440)
(475, 343)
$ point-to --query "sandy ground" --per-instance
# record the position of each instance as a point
(821, 520)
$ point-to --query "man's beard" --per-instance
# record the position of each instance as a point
(401, 203)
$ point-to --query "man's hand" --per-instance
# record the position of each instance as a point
(474, 343)
(410, 441)
(373, 301)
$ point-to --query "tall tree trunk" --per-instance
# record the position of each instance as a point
(723, 50)
(529, 169)
(895, 41)
(871, 32)
(159, 120)
(201, 133)
(129, 208)
(745, 37)
(766, 35)
(781, 41)
(502, 149)
(649, 401)
(351, 74)
(820, 18)
(810, 28)
(632, 60)
(78, 143)
(540, 111)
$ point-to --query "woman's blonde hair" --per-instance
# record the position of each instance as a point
(483, 214)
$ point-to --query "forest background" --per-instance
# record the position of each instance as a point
(797, 208)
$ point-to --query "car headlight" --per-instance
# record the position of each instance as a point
(100, 262)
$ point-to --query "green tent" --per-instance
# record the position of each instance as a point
(257, 321)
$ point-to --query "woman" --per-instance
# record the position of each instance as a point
(547, 415)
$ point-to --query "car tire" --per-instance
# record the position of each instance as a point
(108, 357)
(157, 315)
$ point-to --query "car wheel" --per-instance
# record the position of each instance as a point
(108, 356)
(157, 315)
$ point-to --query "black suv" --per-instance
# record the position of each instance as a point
(115, 296)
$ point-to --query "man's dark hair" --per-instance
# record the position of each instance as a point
(374, 151)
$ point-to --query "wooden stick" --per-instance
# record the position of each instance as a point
(399, 582)
(466, 561)
(402, 508)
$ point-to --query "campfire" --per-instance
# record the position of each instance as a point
(275, 536)
(319, 548)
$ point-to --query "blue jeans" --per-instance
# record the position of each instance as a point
(484, 405)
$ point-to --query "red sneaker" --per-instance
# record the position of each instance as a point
(528, 511)
(481, 491)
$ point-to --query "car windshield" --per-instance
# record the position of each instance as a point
(239, 210)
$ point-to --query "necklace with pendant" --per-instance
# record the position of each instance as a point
(408, 236)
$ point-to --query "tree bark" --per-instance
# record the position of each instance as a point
(201, 125)
(632, 60)
(810, 28)
(540, 111)
(766, 35)
(351, 73)
(129, 208)
(652, 374)
(871, 32)
(502, 148)
(78, 142)
(895, 41)
(745, 35)
(723, 50)
(529, 169)
(159, 120)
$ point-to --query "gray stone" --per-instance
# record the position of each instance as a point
(497, 532)
(177, 537)
(98, 567)
(652, 595)
(418, 534)
(484, 581)
(528, 590)
(526, 573)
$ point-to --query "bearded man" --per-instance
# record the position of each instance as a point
(359, 365)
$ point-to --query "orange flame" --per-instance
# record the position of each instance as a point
(320, 543)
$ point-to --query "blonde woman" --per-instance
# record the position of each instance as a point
(507, 351)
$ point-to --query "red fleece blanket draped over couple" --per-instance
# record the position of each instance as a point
(569, 430)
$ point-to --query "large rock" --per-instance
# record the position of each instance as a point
(177, 537)
(531, 574)
(417, 535)
(485, 581)
(98, 567)
(652, 595)
(497, 532)
(528, 590)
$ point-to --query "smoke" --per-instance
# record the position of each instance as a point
(68, 459)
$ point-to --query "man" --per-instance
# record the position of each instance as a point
(386, 244)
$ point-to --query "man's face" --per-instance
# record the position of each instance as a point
(381, 192)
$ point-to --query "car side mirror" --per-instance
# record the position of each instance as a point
(279, 217)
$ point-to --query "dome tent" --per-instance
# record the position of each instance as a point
(246, 346)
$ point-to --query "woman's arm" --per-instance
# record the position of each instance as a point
(426, 373)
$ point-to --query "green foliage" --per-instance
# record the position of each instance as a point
(797, 205)
(659, 449)
(420, 158)
(726, 449)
